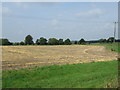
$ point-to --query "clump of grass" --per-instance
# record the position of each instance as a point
(85, 75)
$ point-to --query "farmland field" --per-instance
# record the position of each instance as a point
(76, 73)
(16, 57)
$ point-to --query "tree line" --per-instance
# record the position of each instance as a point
(51, 41)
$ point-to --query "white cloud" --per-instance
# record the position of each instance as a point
(55, 22)
(21, 5)
(94, 12)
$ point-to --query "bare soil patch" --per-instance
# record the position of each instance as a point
(16, 57)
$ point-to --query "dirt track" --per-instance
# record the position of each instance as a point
(15, 57)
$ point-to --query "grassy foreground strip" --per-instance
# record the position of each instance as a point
(85, 75)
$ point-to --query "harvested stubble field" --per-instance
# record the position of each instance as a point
(16, 57)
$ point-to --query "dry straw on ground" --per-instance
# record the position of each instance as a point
(15, 57)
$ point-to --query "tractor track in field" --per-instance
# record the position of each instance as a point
(16, 57)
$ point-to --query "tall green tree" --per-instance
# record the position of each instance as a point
(53, 41)
(61, 42)
(102, 40)
(38, 41)
(82, 41)
(67, 42)
(43, 41)
(5, 41)
(22, 43)
(29, 40)
(111, 39)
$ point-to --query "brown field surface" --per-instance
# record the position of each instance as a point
(15, 57)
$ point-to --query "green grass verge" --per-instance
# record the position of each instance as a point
(110, 46)
(85, 75)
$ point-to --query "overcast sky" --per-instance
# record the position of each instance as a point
(88, 20)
